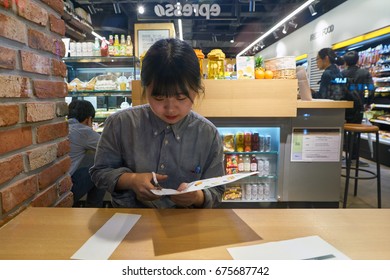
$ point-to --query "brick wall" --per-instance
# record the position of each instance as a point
(34, 147)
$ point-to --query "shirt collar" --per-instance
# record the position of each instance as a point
(159, 126)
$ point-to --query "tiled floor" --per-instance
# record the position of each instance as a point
(367, 190)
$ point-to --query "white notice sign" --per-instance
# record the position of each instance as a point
(316, 144)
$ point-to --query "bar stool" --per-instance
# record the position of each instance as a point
(352, 131)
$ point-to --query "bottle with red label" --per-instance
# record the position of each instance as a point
(253, 163)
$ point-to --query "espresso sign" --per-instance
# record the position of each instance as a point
(187, 10)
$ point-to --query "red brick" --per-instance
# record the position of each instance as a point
(9, 114)
(50, 89)
(42, 156)
(40, 111)
(63, 148)
(62, 109)
(6, 3)
(53, 172)
(65, 185)
(32, 12)
(66, 201)
(7, 58)
(10, 167)
(18, 193)
(35, 63)
(14, 86)
(15, 139)
(57, 5)
(51, 131)
(59, 68)
(39, 40)
(46, 198)
(57, 25)
(12, 29)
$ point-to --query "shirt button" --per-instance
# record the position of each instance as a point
(166, 142)
(162, 166)
(168, 127)
(155, 133)
(178, 137)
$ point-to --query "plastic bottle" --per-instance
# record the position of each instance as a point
(104, 47)
(116, 46)
(111, 51)
(129, 46)
(247, 163)
(96, 48)
(122, 47)
(253, 163)
(240, 163)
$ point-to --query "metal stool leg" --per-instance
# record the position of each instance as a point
(378, 170)
(348, 158)
(357, 148)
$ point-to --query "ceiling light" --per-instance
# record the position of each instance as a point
(232, 40)
(262, 45)
(141, 9)
(312, 10)
(180, 24)
(276, 26)
(117, 9)
(91, 9)
(275, 35)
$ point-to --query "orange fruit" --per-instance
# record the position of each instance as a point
(268, 74)
(259, 74)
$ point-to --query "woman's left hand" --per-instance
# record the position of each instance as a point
(195, 198)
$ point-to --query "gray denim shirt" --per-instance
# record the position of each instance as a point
(136, 140)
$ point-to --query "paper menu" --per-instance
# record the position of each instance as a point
(304, 248)
(206, 183)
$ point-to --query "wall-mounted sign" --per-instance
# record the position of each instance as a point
(187, 10)
(325, 31)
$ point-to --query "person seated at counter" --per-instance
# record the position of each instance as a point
(328, 61)
(164, 136)
(83, 141)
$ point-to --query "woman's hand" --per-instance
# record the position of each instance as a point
(140, 183)
(195, 198)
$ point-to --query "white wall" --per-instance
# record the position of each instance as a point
(350, 19)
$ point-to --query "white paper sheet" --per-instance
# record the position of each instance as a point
(206, 183)
(310, 247)
(102, 244)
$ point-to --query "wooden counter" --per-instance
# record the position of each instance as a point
(57, 233)
(249, 98)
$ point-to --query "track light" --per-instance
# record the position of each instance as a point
(262, 45)
(275, 35)
(293, 24)
(91, 9)
(312, 10)
(285, 28)
(117, 9)
(141, 10)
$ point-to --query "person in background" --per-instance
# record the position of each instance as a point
(328, 61)
(164, 136)
(83, 141)
(361, 82)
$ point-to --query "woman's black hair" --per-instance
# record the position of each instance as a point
(81, 110)
(171, 67)
(351, 58)
(333, 58)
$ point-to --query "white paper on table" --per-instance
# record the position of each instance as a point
(103, 243)
(205, 184)
(310, 247)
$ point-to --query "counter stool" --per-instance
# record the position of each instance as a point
(352, 131)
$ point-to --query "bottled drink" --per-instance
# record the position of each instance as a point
(240, 163)
(239, 142)
(253, 163)
(129, 46)
(116, 46)
(247, 142)
(111, 51)
(104, 47)
(247, 163)
(255, 142)
(122, 47)
(96, 48)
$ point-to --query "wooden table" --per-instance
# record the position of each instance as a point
(57, 233)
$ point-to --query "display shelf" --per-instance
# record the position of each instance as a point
(380, 122)
(100, 61)
(126, 93)
(382, 140)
